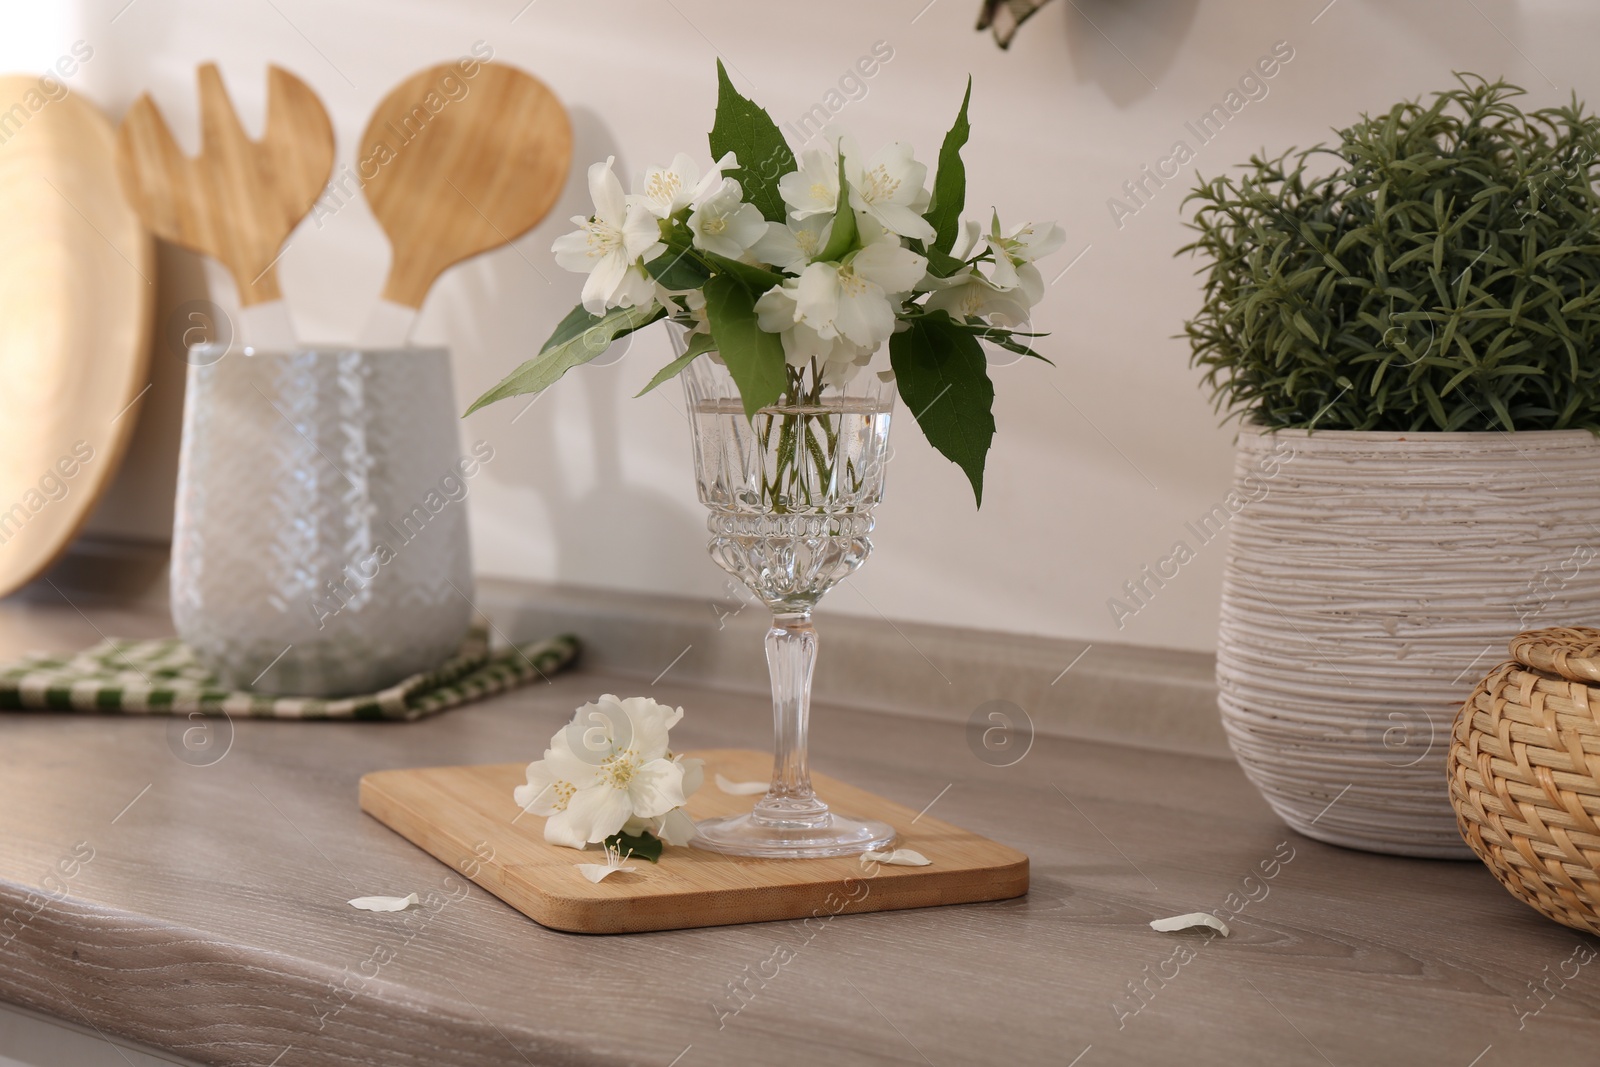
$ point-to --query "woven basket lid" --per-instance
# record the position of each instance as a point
(1573, 652)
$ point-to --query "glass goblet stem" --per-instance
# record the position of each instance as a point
(791, 657)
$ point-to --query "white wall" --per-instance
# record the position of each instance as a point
(1098, 462)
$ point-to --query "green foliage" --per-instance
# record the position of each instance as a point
(757, 279)
(745, 128)
(844, 237)
(950, 182)
(944, 379)
(698, 345)
(681, 267)
(939, 365)
(645, 846)
(1442, 274)
(579, 338)
(753, 356)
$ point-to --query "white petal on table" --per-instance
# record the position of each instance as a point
(596, 872)
(740, 789)
(384, 903)
(900, 857)
(1189, 921)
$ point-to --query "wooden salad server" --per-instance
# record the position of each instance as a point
(238, 200)
(451, 175)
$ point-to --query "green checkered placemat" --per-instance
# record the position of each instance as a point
(161, 677)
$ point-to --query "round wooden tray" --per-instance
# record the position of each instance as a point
(77, 273)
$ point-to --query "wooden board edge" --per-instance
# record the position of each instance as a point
(594, 916)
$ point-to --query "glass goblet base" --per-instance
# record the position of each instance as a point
(831, 835)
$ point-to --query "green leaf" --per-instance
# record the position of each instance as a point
(844, 237)
(757, 279)
(744, 128)
(645, 846)
(950, 181)
(1007, 340)
(679, 268)
(942, 264)
(943, 378)
(578, 338)
(699, 344)
(1003, 336)
(754, 357)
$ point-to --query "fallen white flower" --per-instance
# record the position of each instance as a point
(900, 857)
(609, 764)
(597, 872)
(384, 903)
(740, 789)
(1189, 921)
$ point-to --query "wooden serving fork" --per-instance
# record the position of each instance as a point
(238, 200)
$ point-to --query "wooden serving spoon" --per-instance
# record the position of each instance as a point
(453, 174)
(238, 200)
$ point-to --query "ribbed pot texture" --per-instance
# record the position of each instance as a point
(1372, 579)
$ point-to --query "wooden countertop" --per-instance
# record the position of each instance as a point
(211, 921)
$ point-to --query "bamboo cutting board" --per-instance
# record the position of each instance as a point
(464, 816)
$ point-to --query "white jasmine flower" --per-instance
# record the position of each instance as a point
(723, 223)
(675, 827)
(856, 299)
(610, 246)
(967, 238)
(610, 764)
(890, 189)
(777, 311)
(688, 308)
(636, 289)
(668, 190)
(839, 370)
(972, 296)
(791, 245)
(1014, 256)
(812, 188)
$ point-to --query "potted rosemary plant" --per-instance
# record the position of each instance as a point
(1408, 324)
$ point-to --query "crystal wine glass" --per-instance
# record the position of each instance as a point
(791, 494)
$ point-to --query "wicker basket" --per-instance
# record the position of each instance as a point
(1525, 773)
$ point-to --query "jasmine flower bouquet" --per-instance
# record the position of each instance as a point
(795, 272)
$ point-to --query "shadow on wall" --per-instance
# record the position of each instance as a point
(138, 503)
(566, 446)
(1127, 46)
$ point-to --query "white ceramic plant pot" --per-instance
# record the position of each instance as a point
(1372, 579)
